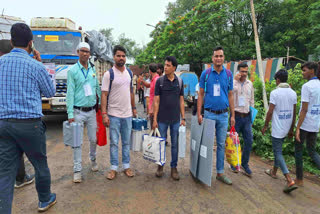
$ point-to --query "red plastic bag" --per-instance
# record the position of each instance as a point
(101, 130)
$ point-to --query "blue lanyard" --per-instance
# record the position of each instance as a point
(314, 78)
(85, 76)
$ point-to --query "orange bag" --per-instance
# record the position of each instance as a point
(101, 130)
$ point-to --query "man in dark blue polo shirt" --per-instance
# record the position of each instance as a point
(168, 105)
(216, 87)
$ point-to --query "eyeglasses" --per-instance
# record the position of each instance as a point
(84, 51)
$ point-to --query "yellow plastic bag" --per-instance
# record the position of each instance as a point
(233, 149)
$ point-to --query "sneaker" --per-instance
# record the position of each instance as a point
(77, 177)
(247, 171)
(28, 179)
(233, 169)
(224, 179)
(94, 166)
(44, 206)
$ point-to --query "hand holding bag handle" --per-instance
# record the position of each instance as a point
(156, 132)
(232, 130)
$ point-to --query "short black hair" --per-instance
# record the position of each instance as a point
(153, 67)
(118, 48)
(173, 60)
(311, 65)
(282, 75)
(218, 48)
(160, 66)
(242, 65)
(21, 35)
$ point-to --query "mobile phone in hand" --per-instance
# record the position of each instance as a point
(32, 48)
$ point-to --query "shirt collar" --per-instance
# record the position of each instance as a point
(245, 82)
(19, 50)
(157, 75)
(175, 77)
(223, 69)
(81, 66)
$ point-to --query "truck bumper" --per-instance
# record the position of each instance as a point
(54, 104)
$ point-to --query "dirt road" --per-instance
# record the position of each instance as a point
(147, 194)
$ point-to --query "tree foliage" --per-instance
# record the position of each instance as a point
(191, 34)
(130, 45)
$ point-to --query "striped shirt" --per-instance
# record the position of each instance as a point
(22, 81)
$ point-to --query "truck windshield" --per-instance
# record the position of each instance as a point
(56, 42)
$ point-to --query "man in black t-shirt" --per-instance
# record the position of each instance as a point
(168, 105)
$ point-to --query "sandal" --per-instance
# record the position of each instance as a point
(128, 172)
(289, 188)
(269, 172)
(112, 174)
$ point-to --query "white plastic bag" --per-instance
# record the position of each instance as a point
(182, 142)
(72, 134)
(154, 148)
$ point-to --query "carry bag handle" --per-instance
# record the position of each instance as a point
(156, 132)
(232, 129)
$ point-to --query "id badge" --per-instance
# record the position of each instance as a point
(216, 90)
(241, 101)
(87, 89)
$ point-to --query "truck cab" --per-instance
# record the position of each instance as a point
(56, 39)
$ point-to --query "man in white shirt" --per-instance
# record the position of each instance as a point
(309, 118)
(146, 90)
(282, 110)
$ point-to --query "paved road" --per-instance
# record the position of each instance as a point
(147, 194)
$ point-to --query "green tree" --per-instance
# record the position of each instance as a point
(107, 32)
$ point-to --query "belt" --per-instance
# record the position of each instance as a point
(86, 109)
(22, 120)
(217, 112)
(239, 114)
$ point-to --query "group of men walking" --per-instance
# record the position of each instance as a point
(24, 79)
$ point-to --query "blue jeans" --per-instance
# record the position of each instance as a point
(243, 126)
(221, 134)
(120, 126)
(278, 158)
(15, 138)
(174, 134)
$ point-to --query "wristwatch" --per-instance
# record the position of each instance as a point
(183, 119)
(134, 108)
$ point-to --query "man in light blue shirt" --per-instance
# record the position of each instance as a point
(82, 90)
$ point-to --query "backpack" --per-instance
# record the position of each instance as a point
(112, 78)
(208, 72)
(161, 79)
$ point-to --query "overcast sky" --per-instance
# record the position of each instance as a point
(124, 16)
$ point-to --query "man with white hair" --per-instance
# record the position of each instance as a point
(83, 86)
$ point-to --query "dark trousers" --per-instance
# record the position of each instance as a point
(141, 95)
(311, 139)
(243, 126)
(16, 138)
(194, 108)
(21, 171)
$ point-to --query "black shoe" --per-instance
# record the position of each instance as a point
(28, 179)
